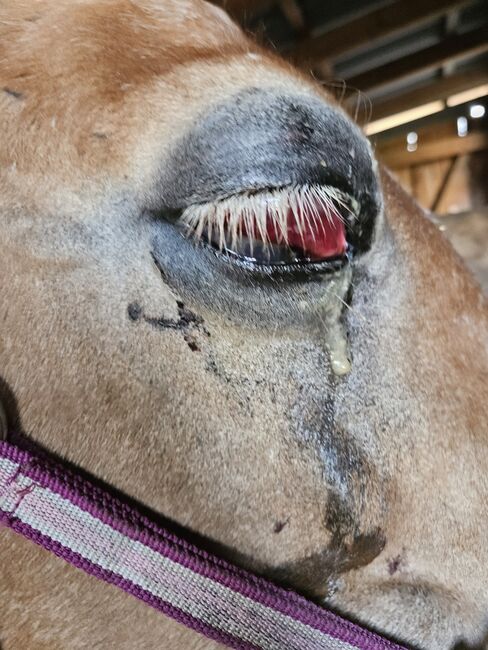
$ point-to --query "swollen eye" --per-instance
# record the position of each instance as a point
(285, 226)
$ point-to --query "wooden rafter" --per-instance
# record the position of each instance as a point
(434, 90)
(450, 49)
(386, 21)
(294, 15)
(441, 190)
(241, 9)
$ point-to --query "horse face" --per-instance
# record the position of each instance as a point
(121, 119)
(204, 305)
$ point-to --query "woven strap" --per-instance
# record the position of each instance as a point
(98, 533)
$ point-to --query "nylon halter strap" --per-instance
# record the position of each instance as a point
(91, 529)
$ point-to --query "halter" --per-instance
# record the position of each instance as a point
(85, 524)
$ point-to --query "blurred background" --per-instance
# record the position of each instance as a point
(414, 73)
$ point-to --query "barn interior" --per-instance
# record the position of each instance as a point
(415, 76)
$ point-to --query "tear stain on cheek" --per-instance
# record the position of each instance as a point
(337, 344)
(335, 300)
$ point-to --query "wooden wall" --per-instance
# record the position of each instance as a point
(449, 185)
(458, 189)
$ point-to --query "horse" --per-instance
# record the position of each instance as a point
(215, 300)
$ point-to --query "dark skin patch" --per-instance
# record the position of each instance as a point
(100, 136)
(188, 322)
(279, 525)
(134, 311)
(13, 93)
(212, 367)
(314, 576)
(302, 130)
(311, 576)
(464, 646)
(3, 424)
(158, 265)
(245, 389)
(352, 546)
(10, 406)
(192, 342)
(186, 319)
(394, 564)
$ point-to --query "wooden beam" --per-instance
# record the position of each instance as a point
(454, 47)
(396, 156)
(440, 89)
(387, 21)
(441, 190)
(242, 9)
(451, 24)
(294, 15)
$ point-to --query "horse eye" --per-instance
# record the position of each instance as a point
(282, 227)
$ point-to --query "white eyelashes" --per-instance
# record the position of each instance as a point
(254, 215)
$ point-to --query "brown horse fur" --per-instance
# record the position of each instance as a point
(368, 491)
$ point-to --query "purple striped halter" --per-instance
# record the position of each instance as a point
(91, 529)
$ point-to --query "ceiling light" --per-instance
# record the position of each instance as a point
(462, 126)
(476, 110)
(412, 139)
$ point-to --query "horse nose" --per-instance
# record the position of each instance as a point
(261, 139)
